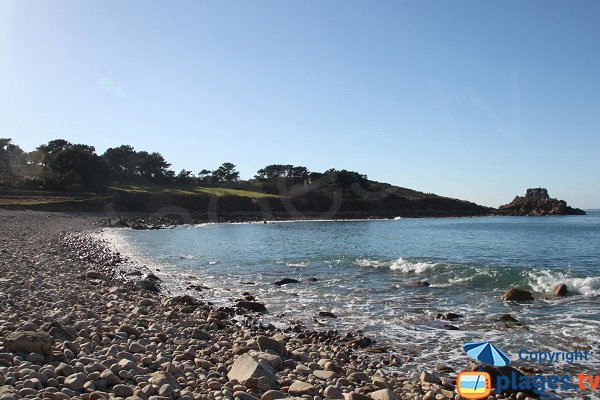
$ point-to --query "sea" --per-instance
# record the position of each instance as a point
(370, 274)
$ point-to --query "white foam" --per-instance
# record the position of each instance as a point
(546, 280)
(368, 262)
(297, 264)
(417, 267)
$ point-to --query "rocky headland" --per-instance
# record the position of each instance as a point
(538, 202)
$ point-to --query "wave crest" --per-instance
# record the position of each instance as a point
(546, 280)
(407, 266)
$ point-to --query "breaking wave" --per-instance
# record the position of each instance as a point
(407, 266)
(546, 280)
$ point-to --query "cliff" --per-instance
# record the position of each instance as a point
(538, 202)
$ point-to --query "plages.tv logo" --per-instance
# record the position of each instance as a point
(478, 384)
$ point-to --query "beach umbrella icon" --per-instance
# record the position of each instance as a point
(487, 353)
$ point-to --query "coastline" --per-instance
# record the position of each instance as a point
(109, 335)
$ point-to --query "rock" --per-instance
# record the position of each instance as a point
(359, 377)
(245, 366)
(538, 202)
(507, 318)
(123, 391)
(333, 392)
(75, 382)
(560, 290)
(356, 396)
(35, 358)
(273, 395)
(241, 395)
(29, 342)
(324, 375)
(383, 394)
(266, 343)
(448, 316)
(286, 281)
(515, 294)
(251, 306)
(110, 378)
(135, 347)
(91, 274)
(326, 314)
(298, 388)
(148, 285)
(165, 390)
(430, 378)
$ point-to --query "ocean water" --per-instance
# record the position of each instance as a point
(367, 272)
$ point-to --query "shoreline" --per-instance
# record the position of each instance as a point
(107, 335)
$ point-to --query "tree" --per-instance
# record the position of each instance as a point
(73, 167)
(122, 161)
(152, 166)
(185, 177)
(226, 173)
(281, 171)
(4, 156)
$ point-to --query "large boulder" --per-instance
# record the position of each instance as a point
(246, 367)
(29, 342)
(515, 294)
(560, 290)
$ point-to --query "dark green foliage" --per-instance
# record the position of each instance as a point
(226, 173)
(281, 171)
(122, 161)
(72, 166)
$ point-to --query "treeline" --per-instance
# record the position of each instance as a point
(61, 165)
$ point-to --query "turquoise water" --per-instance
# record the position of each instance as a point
(367, 270)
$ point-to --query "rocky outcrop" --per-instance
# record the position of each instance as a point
(538, 202)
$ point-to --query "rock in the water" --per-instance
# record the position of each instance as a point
(538, 202)
(515, 294)
(383, 394)
(29, 342)
(298, 388)
(147, 284)
(246, 367)
(326, 314)
(286, 281)
(448, 316)
(560, 290)
(508, 318)
(251, 306)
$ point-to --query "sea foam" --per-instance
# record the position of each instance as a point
(546, 280)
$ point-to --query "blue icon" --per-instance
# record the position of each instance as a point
(487, 353)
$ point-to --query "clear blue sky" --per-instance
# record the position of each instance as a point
(471, 99)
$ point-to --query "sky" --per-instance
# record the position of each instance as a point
(477, 100)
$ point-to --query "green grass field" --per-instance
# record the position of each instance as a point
(190, 191)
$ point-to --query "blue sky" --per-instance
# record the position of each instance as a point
(470, 99)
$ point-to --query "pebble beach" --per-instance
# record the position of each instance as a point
(71, 327)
